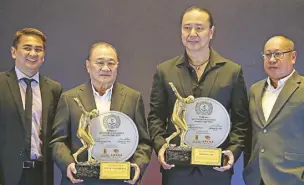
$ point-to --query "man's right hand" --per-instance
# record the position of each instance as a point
(161, 157)
(70, 171)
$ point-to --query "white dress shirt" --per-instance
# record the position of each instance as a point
(271, 94)
(103, 103)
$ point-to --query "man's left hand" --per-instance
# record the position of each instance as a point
(228, 161)
(136, 175)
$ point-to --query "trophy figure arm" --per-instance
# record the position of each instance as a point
(80, 105)
(178, 96)
(81, 125)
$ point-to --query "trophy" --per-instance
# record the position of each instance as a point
(110, 138)
(203, 124)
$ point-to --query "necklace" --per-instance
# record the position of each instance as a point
(197, 67)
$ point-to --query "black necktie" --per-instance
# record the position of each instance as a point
(28, 112)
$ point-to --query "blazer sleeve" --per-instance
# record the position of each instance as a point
(142, 155)
(158, 115)
(61, 128)
(239, 116)
(248, 137)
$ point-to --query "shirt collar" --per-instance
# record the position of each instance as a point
(185, 61)
(281, 82)
(215, 60)
(21, 75)
(107, 93)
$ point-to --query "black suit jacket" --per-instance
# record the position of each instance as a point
(222, 80)
(12, 133)
(65, 141)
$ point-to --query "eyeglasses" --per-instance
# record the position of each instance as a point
(102, 63)
(277, 55)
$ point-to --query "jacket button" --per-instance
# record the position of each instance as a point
(265, 130)
(21, 152)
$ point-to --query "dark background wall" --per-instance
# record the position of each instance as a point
(145, 33)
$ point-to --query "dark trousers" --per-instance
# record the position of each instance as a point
(32, 176)
(195, 176)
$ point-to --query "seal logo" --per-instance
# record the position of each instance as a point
(203, 108)
(111, 121)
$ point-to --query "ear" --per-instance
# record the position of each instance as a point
(212, 32)
(294, 57)
(88, 66)
(13, 52)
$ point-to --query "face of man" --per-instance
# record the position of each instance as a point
(29, 54)
(102, 66)
(195, 31)
(278, 65)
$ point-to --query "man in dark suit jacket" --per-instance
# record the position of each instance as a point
(25, 156)
(277, 116)
(201, 72)
(103, 93)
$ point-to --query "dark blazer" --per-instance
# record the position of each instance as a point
(12, 121)
(277, 144)
(222, 80)
(65, 141)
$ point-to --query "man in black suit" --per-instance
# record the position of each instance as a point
(103, 93)
(27, 106)
(201, 72)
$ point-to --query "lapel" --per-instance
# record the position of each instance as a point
(15, 90)
(118, 97)
(46, 97)
(290, 87)
(184, 76)
(86, 96)
(215, 62)
(209, 78)
(258, 101)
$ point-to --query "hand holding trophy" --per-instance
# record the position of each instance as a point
(110, 139)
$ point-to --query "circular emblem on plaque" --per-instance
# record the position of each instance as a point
(208, 122)
(111, 121)
(203, 108)
(115, 135)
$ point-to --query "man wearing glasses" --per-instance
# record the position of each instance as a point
(200, 72)
(103, 93)
(277, 116)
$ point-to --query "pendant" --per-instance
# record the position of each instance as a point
(197, 67)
